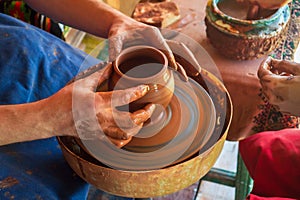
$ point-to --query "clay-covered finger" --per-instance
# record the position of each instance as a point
(171, 59)
(122, 133)
(119, 142)
(139, 36)
(266, 67)
(134, 130)
(182, 71)
(126, 96)
(115, 46)
(280, 82)
(127, 120)
(285, 68)
(153, 36)
(183, 52)
(142, 115)
(273, 68)
(123, 119)
(115, 132)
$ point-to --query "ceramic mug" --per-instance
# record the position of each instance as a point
(144, 65)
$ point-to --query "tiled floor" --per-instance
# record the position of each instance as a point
(228, 161)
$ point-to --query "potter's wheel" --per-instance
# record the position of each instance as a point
(188, 124)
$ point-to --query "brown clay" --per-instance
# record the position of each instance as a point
(144, 65)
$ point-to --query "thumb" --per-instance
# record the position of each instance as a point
(115, 46)
(95, 75)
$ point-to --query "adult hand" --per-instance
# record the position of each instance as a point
(280, 82)
(127, 33)
(185, 53)
(81, 110)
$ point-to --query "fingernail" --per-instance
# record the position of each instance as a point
(152, 108)
(145, 88)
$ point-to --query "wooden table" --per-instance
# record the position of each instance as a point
(239, 77)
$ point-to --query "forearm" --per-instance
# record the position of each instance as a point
(92, 16)
(23, 122)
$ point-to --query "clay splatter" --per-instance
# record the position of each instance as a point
(8, 182)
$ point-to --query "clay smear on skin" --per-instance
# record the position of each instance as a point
(8, 182)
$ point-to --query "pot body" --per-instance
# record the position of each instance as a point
(144, 65)
(244, 39)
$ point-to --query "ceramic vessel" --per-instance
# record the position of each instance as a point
(238, 38)
(144, 65)
(152, 183)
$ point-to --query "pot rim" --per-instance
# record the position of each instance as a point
(131, 49)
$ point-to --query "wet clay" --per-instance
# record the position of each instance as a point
(240, 10)
(141, 67)
(8, 182)
(234, 9)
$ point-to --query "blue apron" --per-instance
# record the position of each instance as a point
(34, 65)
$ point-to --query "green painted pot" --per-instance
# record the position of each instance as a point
(238, 38)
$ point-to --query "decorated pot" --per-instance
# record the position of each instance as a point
(237, 37)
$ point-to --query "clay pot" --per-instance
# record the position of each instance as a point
(238, 38)
(144, 65)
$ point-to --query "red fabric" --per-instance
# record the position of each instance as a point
(254, 197)
(273, 161)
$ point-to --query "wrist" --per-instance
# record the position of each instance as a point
(22, 122)
(56, 114)
(122, 23)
